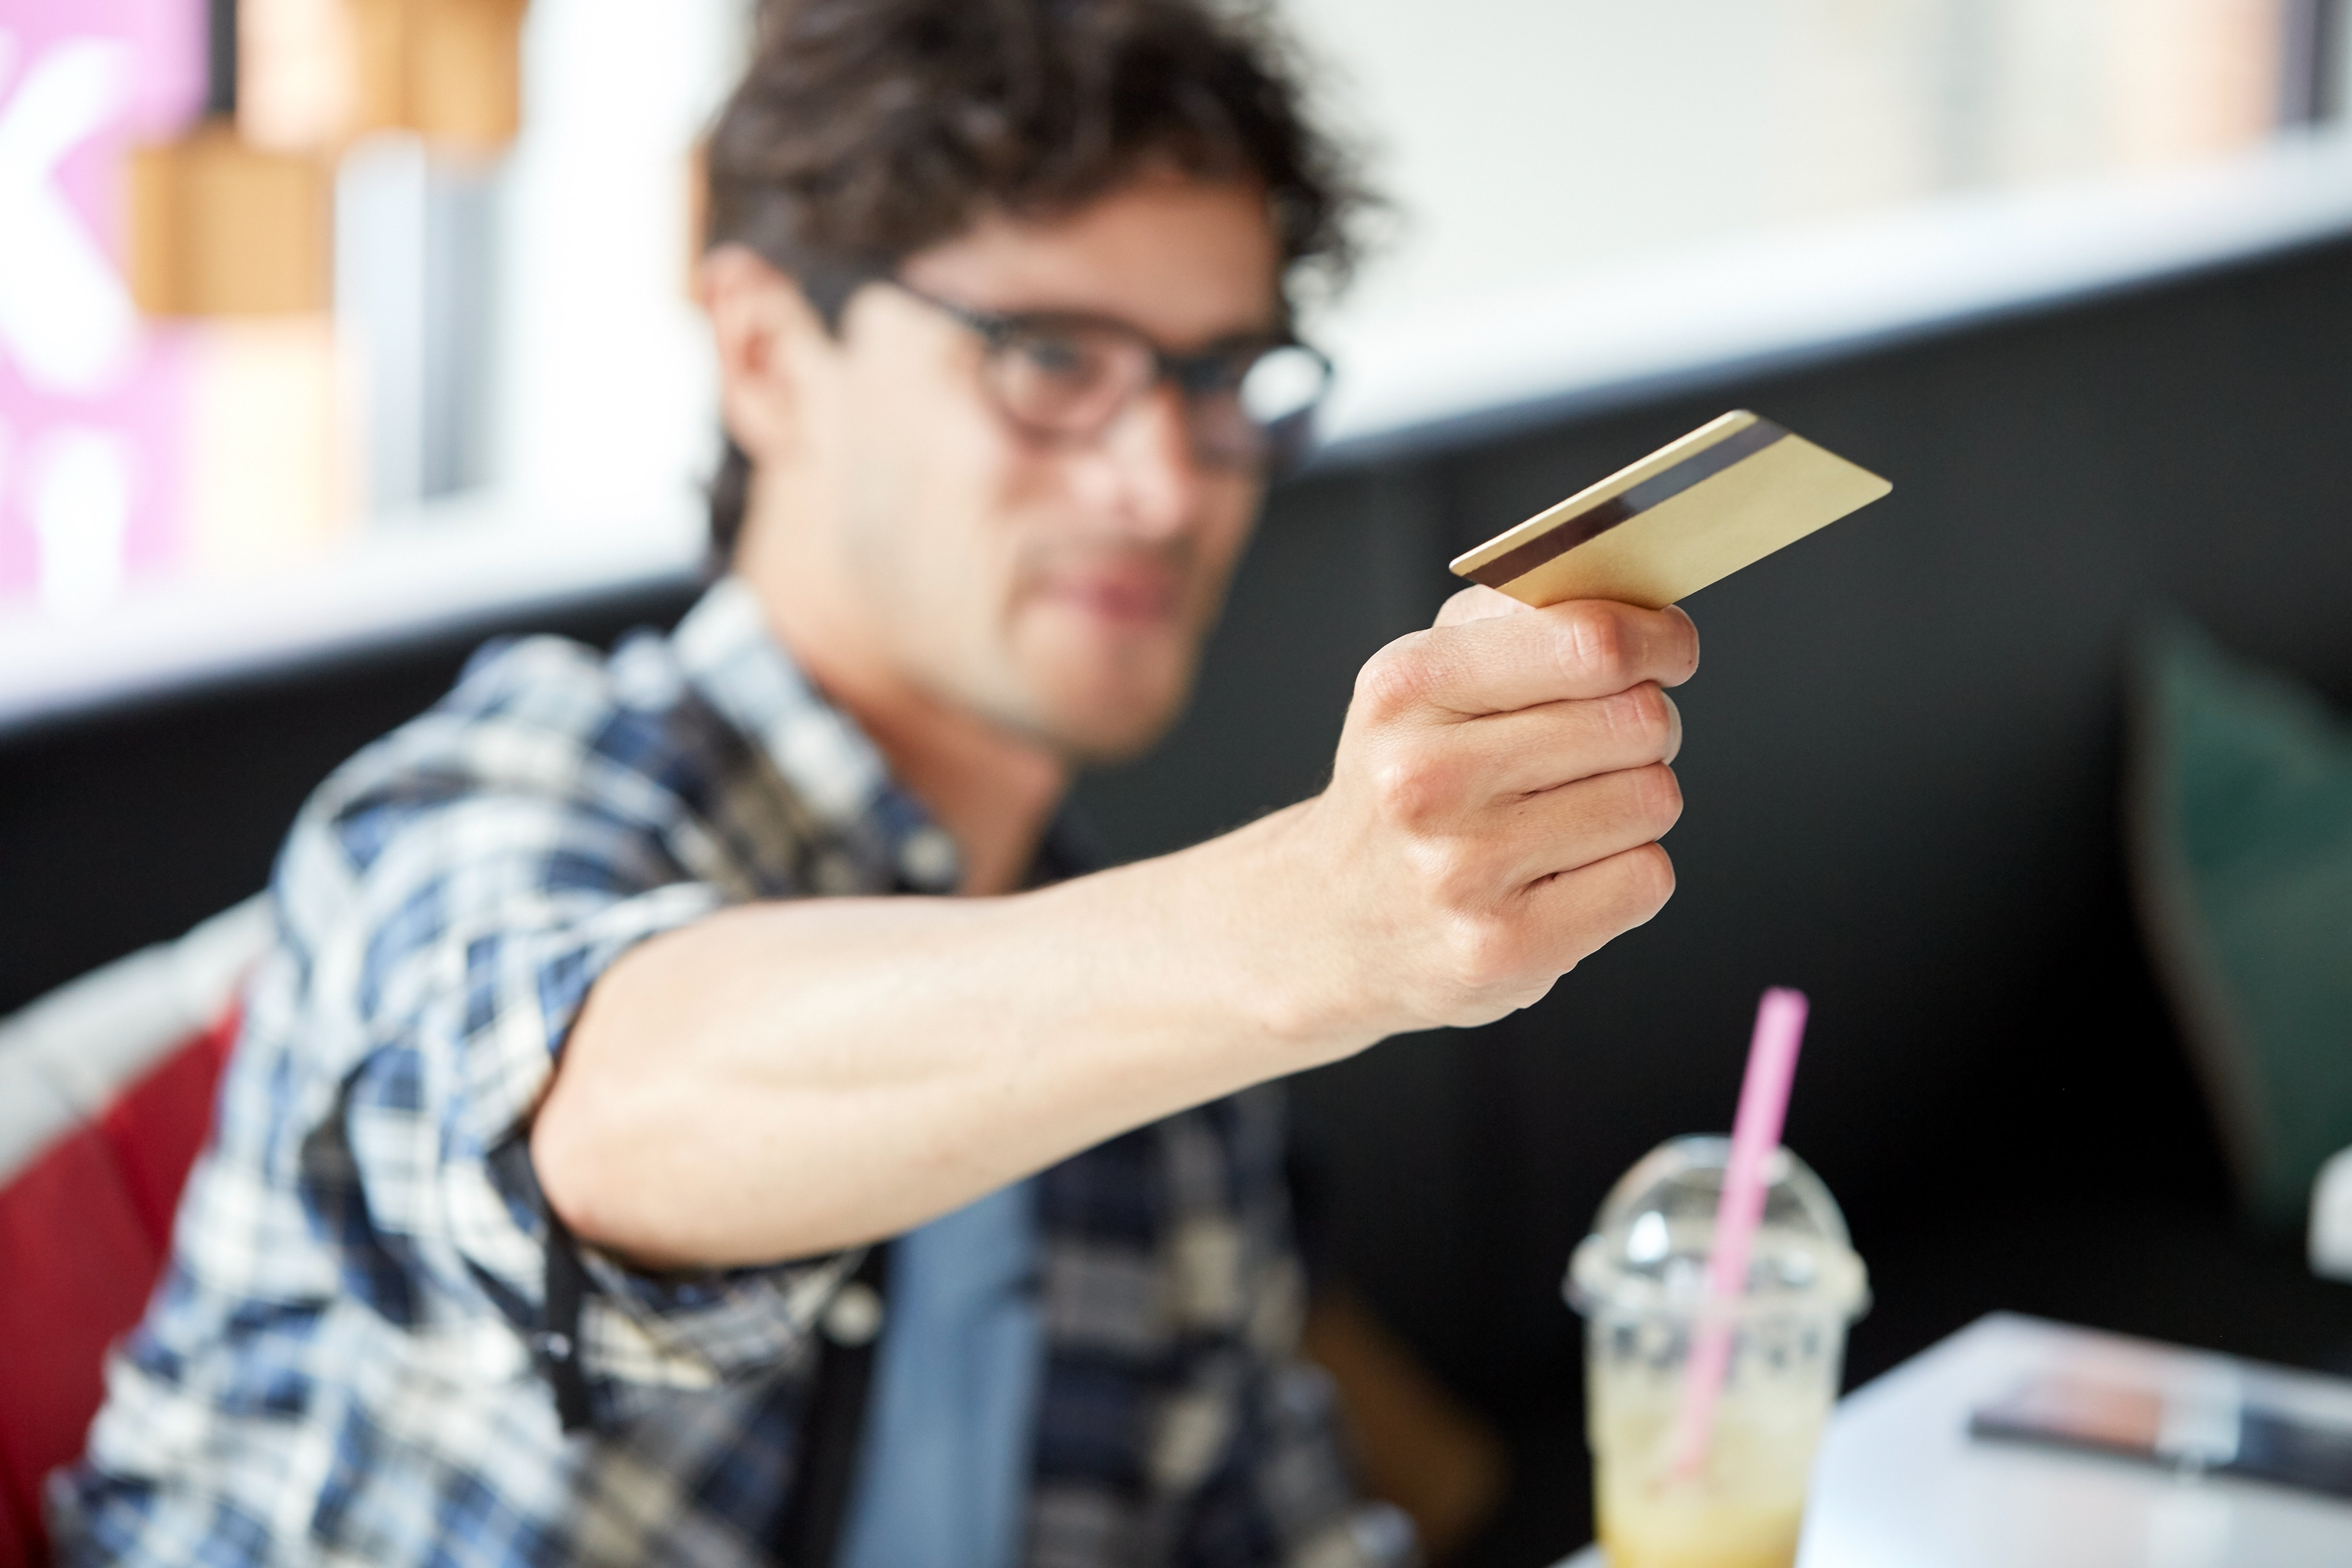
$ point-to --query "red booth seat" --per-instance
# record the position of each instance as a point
(106, 1095)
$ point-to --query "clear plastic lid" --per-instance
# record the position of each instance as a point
(1647, 1253)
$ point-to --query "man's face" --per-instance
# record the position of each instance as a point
(1058, 587)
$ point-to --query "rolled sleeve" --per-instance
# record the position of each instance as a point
(482, 923)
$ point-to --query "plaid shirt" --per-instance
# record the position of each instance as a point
(337, 1368)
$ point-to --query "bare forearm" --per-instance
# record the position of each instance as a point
(787, 1078)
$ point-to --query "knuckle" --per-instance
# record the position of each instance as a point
(1451, 881)
(1486, 954)
(1394, 678)
(1657, 796)
(1644, 716)
(1650, 880)
(1457, 882)
(1597, 639)
(1411, 789)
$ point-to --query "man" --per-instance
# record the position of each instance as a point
(622, 1005)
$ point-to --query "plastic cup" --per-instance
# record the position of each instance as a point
(1639, 1280)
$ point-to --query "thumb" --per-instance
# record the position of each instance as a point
(1478, 603)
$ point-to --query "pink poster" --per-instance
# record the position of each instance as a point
(91, 397)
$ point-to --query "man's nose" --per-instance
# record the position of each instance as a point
(1150, 454)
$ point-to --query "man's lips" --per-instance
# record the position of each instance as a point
(1134, 596)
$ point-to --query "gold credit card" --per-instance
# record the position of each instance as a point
(1727, 495)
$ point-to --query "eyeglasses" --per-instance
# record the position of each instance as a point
(1249, 401)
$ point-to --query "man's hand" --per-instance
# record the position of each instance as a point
(1495, 804)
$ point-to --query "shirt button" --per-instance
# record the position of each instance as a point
(930, 856)
(854, 1316)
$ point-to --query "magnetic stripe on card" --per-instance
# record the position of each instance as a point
(1599, 519)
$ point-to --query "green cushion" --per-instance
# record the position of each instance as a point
(2239, 814)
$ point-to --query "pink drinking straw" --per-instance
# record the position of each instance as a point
(1755, 1133)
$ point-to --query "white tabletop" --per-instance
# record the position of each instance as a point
(1901, 1484)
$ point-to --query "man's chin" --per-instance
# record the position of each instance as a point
(1103, 736)
(1097, 726)
(1094, 704)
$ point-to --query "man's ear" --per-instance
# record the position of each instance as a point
(764, 331)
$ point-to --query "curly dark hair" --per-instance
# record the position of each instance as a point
(865, 130)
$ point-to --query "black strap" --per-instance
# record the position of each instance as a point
(809, 1533)
(557, 1343)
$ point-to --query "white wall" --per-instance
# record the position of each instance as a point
(605, 409)
(1526, 138)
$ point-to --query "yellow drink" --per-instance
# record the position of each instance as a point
(1745, 1506)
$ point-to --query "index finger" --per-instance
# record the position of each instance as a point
(1576, 650)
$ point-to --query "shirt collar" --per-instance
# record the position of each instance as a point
(831, 768)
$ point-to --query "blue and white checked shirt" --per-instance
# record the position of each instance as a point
(336, 1367)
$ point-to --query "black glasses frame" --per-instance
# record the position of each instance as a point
(1204, 373)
